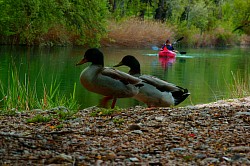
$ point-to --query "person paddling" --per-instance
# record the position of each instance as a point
(169, 46)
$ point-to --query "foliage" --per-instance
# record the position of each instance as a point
(65, 22)
(25, 22)
(241, 15)
(199, 20)
(198, 16)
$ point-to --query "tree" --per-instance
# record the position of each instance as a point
(24, 22)
(241, 15)
(198, 16)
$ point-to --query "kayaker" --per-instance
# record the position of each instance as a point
(169, 46)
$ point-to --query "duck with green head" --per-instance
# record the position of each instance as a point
(106, 81)
(154, 92)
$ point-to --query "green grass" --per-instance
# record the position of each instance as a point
(21, 95)
(240, 86)
(39, 118)
(105, 112)
(59, 113)
(118, 121)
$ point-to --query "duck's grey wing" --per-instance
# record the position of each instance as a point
(159, 84)
(119, 75)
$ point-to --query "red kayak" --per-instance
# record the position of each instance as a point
(166, 53)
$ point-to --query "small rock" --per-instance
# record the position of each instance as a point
(134, 127)
(209, 160)
(137, 132)
(178, 149)
(237, 157)
(115, 131)
(200, 156)
(227, 159)
(98, 162)
(37, 110)
(242, 113)
(240, 149)
(111, 155)
(133, 159)
(159, 118)
(243, 161)
(61, 158)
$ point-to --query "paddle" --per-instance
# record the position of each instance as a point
(155, 48)
(178, 40)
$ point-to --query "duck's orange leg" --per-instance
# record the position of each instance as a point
(104, 101)
(113, 103)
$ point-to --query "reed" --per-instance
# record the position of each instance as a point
(137, 33)
(240, 86)
(19, 94)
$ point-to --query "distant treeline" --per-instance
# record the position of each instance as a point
(81, 22)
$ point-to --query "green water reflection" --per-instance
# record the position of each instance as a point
(205, 72)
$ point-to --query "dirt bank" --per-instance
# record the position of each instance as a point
(216, 133)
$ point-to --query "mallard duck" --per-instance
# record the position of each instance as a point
(106, 81)
(155, 92)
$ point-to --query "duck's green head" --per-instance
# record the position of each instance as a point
(93, 55)
(132, 63)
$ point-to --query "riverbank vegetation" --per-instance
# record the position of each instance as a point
(20, 94)
(138, 23)
(240, 86)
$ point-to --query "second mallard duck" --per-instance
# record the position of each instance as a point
(155, 92)
(106, 81)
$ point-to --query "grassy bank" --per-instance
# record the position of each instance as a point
(20, 93)
(240, 87)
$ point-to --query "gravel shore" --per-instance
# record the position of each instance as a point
(208, 134)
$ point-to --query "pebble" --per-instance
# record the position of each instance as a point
(210, 160)
(240, 149)
(134, 127)
(137, 131)
(159, 118)
(243, 113)
(178, 149)
(200, 156)
(60, 158)
(133, 159)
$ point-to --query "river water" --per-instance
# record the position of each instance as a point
(206, 73)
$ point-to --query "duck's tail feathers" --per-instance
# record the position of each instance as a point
(180, 96)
